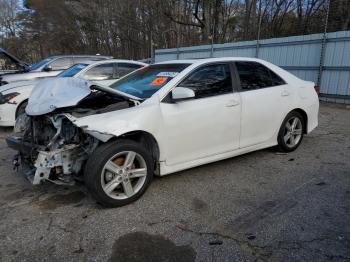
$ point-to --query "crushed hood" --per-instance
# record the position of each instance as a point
(58, 92)
(53, 93)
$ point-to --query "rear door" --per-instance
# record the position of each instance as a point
(264, 102)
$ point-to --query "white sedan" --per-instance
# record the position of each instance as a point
(14, 96)
(161, 119)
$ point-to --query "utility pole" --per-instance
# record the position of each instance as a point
(152, 48)
(323, 47)
(259, 28)
(212, 42)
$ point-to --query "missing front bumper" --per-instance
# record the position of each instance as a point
(57, 166)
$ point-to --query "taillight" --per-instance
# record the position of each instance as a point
(317, 89)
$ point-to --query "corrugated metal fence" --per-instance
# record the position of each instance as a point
(323, 59)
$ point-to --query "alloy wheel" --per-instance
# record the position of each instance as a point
(293, 131)
(123, 175)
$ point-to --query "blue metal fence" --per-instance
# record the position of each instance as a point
(300, 55)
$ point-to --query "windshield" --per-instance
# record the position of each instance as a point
(145, 82)
(72, 71)
(40, 63)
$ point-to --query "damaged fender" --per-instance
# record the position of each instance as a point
(116, 123)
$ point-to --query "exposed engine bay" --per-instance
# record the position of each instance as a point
(52, 146)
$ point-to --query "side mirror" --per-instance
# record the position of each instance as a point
(182, 93)
(25, 68)
(47, 68)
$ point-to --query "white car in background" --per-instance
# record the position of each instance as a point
(14, 96)
(161, 119)
(49, 67)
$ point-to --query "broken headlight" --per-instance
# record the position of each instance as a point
(6, 98)
(22, 123)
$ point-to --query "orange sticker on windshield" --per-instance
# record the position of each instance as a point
(158, 81)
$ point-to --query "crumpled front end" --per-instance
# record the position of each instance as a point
(51, 147)
(50, 138)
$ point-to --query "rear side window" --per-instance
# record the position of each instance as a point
(275, 79)
(255, 76)
(209, 81)
(126, 68)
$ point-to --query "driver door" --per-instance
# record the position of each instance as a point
(207, 124)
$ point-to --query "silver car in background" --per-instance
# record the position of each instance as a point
(50, 66)
(14, 96)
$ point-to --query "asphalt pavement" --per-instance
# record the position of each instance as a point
(261, 206)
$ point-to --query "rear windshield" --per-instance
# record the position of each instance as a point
(73, 70)
(145, 82)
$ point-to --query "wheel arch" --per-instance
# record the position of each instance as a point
(146, 139)
(305, 117)
(19, 105)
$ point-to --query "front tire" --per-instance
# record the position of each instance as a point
(119, 172)
(291, 132)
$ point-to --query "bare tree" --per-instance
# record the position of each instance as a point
(133, 28)
(8, 15)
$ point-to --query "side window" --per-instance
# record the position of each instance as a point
(61, 63)
(100, 72)
(126, 68)
(209, 81)
(255, 76)
(81, 59)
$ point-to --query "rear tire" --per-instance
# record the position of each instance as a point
(118, 172)
(291, 132)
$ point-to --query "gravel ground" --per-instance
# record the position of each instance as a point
(261, 206)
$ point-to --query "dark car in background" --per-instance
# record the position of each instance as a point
(11, 64)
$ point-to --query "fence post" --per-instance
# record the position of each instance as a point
(258, 37)
(211, 46)
(323, 48)
(257, 49)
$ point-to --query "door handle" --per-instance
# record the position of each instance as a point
(285, 93)
(232, 103)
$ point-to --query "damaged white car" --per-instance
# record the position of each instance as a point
(159, 120)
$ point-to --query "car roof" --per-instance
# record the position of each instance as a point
(94, 56)
(87, 62)
(118, 61)
(208, 60)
